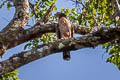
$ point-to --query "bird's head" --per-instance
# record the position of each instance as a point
(59, 15)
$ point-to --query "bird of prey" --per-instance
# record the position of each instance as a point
(64, 31)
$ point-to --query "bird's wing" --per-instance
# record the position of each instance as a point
(65, 27)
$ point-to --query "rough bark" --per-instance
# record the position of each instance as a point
(12, 39)
(11, 35)
(17, 24)
(14, 34)
(90, 40)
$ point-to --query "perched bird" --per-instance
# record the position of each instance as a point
(64, 31)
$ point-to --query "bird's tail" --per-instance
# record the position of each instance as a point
(66, 55)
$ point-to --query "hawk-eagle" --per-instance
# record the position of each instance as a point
(64, 31)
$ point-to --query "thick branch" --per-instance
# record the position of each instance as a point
(89, 40)
(14, 34)
(12, 39)
(21, 16)
(17, 24)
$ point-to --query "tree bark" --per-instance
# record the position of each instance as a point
(90, 40)
(14, 34)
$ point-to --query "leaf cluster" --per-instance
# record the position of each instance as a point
(10, 76)
(40, 8)
(113, 48)
(98, 13)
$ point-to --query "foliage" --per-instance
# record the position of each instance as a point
(8, 4)
(41, 6)
(98, 12)
(10, 76)
(89, 13)
(113, 48)
(95, 13)
(72, 14)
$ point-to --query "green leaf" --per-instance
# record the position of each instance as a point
(10, 76)
(88, 16)
(61, 10)
(108, 59)
(54, 0)
(48, 3)
(94, 11)
(104, 45)
(73, 9)
(1, 5)
(66, 13)
(55, 8)
(27, 45)
(112, 50)
(8, 5)
(32, 14)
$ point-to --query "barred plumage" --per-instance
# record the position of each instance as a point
(64, 31)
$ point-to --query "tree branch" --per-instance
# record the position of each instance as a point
(17, 24)
(12, 39)
(94, 39)
(14, 34)
(116, 15)
(33, 8)
(47, 15)
(21, 16)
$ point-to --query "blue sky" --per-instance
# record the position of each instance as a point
(85, 64)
